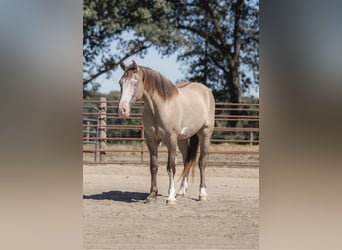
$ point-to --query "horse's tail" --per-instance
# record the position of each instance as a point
(190, 157)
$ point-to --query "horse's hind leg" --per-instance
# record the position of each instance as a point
(204, 138)
(183, 147)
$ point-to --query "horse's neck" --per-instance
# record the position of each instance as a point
(152, 103)
(148, 102)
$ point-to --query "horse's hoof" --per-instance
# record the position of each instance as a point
(203, 198)
(171, 202)
(150, 200)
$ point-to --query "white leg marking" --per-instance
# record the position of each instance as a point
(184, 186)
(172, 190)
(203, 192)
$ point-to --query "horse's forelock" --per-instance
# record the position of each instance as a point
(130, 68)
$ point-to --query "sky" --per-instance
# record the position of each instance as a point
(166, 65)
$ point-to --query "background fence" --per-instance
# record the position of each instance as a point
(109, 139)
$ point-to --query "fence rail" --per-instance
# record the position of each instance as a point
(235, 141)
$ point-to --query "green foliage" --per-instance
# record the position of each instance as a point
(114, 30)
(222, 45)
(217, 40)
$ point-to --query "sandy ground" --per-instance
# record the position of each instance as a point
(116, 217)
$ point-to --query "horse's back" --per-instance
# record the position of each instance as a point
(198, 99)
(196, 92)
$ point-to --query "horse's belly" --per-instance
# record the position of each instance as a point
(186, 132)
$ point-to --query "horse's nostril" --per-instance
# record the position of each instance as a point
(123, 111)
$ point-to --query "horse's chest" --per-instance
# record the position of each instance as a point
(159, 131)
(153, 126)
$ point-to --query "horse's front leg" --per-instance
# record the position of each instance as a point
(171, 170)
(153, 148)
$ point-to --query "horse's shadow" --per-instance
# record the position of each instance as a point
(121, 196)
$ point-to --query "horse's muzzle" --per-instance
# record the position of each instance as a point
(124, 110)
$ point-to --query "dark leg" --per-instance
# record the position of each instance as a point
(183, 147)
(153, 148)
(204, 149)
(171, 169)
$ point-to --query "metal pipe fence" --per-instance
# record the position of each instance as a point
(90, 128)
(235, 141)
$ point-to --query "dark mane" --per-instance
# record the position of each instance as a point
(154, 81)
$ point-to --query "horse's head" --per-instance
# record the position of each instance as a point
(131, 88)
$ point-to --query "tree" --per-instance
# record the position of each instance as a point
(222, 44)
(217, 40)
(114, 30)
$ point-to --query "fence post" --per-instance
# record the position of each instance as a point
(251, 138)
(102, 128)
(87, 131)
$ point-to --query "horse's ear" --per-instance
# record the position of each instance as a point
(135, 66)
(123, 66)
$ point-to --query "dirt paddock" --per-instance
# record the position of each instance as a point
(116, 217)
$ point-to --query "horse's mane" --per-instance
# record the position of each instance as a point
(183, 84)
(155, 82)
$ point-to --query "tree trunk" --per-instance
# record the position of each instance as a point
(234, 90)
(234, 95)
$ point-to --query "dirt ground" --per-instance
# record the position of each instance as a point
(116, 217)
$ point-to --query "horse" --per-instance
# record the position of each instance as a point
(181, 114)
